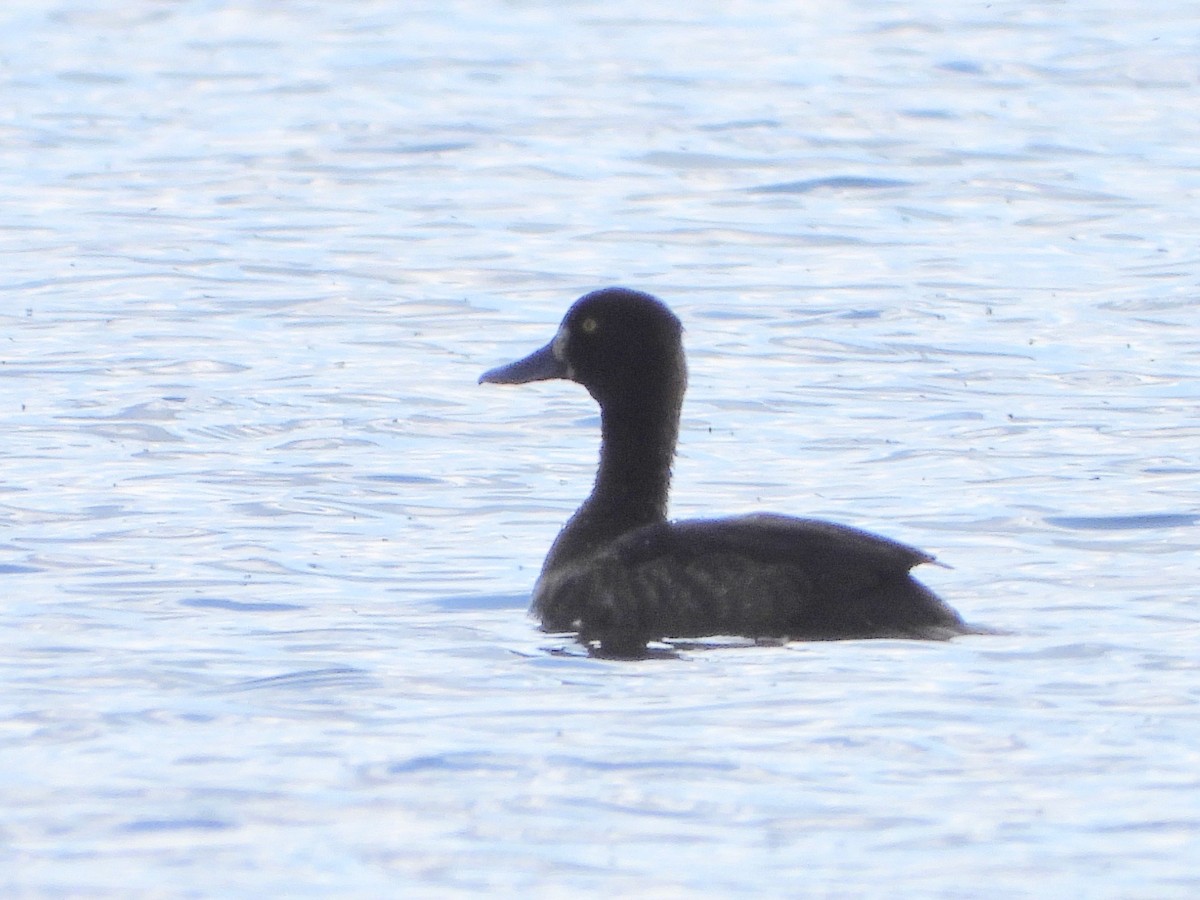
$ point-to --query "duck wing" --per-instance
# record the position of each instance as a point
(760, 575)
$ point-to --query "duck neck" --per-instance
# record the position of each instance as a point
(636, 450)
(631, 488)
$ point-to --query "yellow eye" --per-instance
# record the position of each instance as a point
(589, 325)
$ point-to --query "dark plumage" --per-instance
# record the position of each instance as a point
(619, 573)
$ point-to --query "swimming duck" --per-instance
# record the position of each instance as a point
(621, 575)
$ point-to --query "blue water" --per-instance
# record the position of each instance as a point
(266, 547)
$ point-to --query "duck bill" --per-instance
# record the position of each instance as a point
(540, 365)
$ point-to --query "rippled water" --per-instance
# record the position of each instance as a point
(267, 546)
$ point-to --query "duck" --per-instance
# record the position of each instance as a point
(621, 576)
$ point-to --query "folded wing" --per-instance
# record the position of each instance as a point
(757, 576)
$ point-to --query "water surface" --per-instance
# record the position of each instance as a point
(266, 546)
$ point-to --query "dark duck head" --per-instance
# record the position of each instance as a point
(626, 348)
(620, 574)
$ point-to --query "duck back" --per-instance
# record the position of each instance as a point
(759, 576)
